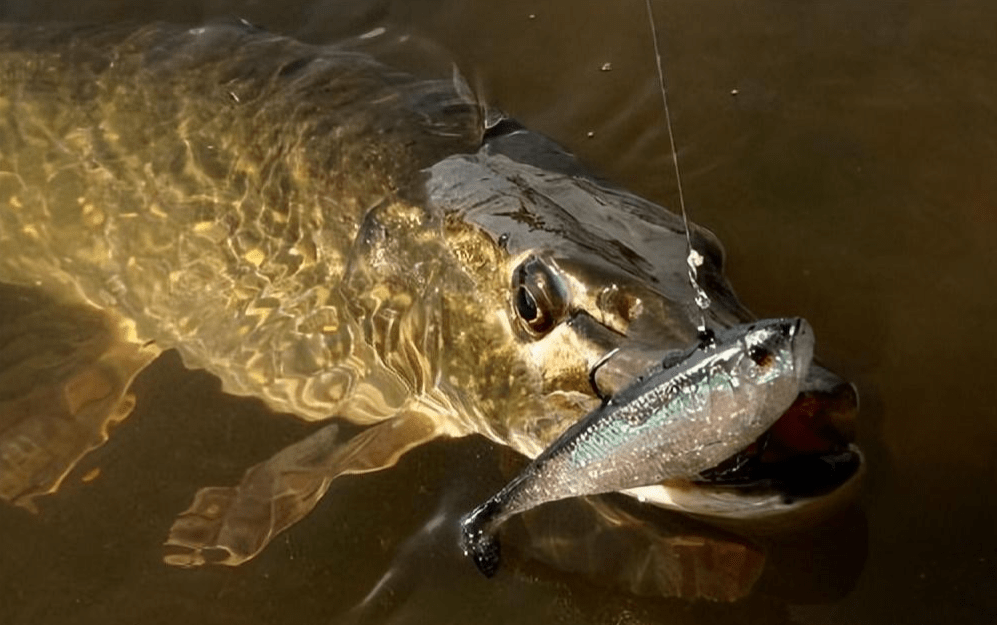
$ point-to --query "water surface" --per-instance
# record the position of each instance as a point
(842, 151)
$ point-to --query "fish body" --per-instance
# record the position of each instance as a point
(677, 422)
(332, 236)
(214, 188)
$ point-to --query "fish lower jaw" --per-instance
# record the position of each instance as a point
(759, 502)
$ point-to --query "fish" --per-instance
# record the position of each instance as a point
(688, 417)
(347, 243)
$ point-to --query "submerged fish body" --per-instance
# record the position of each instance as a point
(325, 233)
(678, 422)
(216, 187)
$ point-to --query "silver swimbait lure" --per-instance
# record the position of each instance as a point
(677, 422)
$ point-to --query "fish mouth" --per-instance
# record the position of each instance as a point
(807, 455)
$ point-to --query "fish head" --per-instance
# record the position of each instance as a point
(574, 289)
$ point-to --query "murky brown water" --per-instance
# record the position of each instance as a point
(851, 181)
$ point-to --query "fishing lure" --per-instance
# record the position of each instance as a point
(684, 419)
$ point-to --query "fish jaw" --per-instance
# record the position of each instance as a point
(814, 436)
(762, 507)
(683, 420)
(806, 464)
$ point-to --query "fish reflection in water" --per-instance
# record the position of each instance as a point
(345, 242)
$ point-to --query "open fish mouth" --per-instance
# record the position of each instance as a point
(808, 454)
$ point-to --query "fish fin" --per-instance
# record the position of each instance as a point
(491, 117)
(230, 525)
(65, 370)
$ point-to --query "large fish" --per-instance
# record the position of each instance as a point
(340, 240)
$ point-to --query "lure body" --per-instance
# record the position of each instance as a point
(676, 423)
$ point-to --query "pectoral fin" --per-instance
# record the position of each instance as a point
(229, 525)
(64, 375)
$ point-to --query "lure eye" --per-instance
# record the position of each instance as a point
(760, 355)
(539, 296)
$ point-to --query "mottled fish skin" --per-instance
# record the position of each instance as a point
(213, 185)
(674, 424)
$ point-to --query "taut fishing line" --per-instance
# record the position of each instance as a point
(693, 258)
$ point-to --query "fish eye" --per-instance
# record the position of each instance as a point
(526, 306)
(539, 296)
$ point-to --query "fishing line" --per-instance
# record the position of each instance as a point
(694, 259)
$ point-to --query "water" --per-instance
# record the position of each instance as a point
(850, 180)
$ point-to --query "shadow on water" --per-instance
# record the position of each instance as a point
(849, 178)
